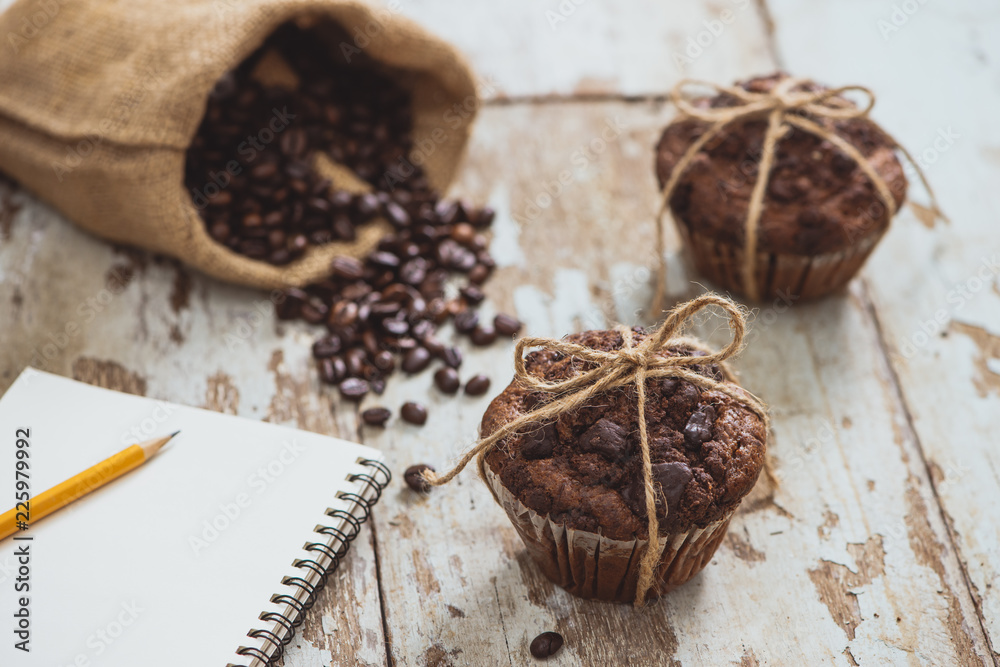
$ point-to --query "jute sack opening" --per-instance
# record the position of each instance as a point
(99, 100)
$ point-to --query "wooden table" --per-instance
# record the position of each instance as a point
(873, 537)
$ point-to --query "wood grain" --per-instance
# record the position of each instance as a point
(934, 291)
(872, 536)
(827, 561)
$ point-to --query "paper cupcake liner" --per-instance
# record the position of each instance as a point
(778, 275)
(592, 566)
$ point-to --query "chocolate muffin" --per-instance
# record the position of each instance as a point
(821, 217)
(573, 487)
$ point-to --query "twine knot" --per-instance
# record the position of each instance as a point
(785, 108)
(630, 365)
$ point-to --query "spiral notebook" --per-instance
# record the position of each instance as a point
(209, 554)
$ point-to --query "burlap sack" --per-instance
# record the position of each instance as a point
(99, 100)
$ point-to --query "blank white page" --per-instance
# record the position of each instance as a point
(173, 562)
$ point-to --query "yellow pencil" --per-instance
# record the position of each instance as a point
(80, 485)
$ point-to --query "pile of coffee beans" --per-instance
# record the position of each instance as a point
(249, 168)
(383, 314)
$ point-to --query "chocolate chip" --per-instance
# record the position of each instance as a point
(447, 380)
(376, 416)
(699, 426)
(506, 324)
(546, 644)
(606, 438)
(414, 478)
(539, 443)
(414, 413)
(672, 478)
(477, 385)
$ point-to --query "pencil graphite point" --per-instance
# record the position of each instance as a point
(150, 447)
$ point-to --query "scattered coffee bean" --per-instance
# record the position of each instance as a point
(483, 335)
(477, 385)
(376, 416)
(326, 347)
(546, 644)
(506, 325)
(699, 426)
(414, 478)
(353, 389)
(452, 356)
(447, 380)
(466, 321)
(416, 360)
(414, 413)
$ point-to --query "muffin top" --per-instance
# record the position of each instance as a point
(818, 199)
(584, 469)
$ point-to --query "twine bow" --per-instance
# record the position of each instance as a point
(785, 108)
(630, 365)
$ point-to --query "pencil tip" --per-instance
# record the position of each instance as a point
(174, 433)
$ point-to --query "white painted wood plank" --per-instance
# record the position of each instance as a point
(581, 47)
(185, 338)
(822, 559)
(936, 291)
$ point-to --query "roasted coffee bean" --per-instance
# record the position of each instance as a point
(347, 268)
(353, 389)
(463, 233)
(607, 438)
(414, 413)
(326, 347)
(384, 361)
(355, 359)
(451, 356)
(327, 373)
(414, 477)
(477, 385)
(699, 426)
(485, 216)
(479, 273)
(397, 215)
(472, 294)
(466, 321)
(376, 416)
(506, 325)
(447, 380)
(546, 644)
(540, 443)
(483, 335)
(416, 360)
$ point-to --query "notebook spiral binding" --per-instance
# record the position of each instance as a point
(325, 563)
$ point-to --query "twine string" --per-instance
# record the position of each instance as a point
(784, 107)
(631, 365)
